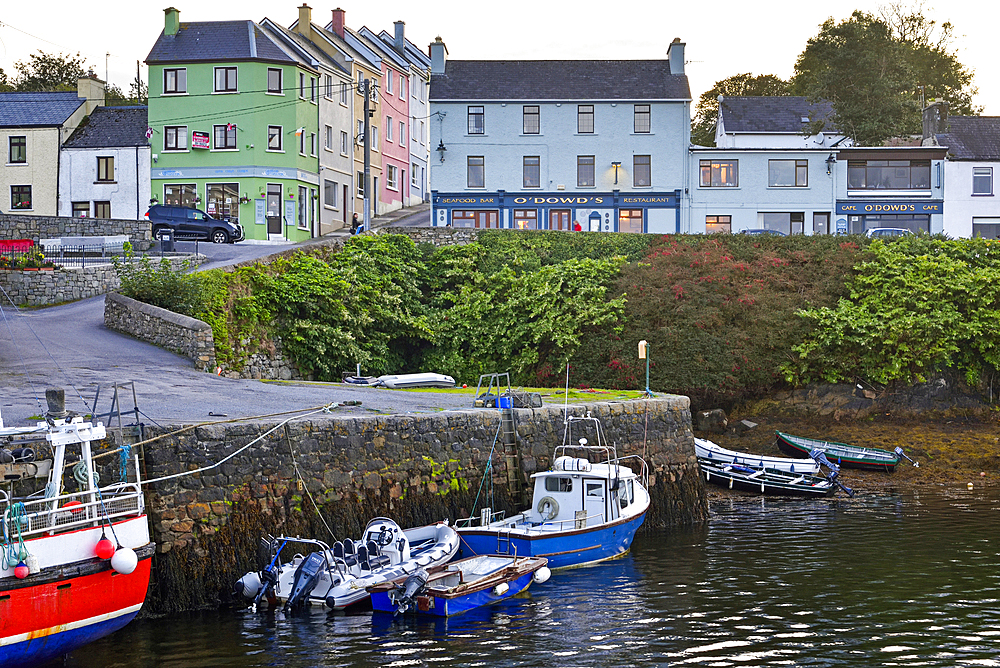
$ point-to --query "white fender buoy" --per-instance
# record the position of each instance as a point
(501, 589)
(250, 584)
(542, 574)
(32, 563)
(124, 560)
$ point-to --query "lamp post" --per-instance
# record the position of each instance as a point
(644, 355)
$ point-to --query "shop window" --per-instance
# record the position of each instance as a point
(531, 171)
(525, 219)
(982, 180)
(821, 223)
(720, 173)
(223, 201)
(788, 173)
(718, 224)
(986, 228)
(786, 223)
(889, 174)
(630, 220)
(179, 194)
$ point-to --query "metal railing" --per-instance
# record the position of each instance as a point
(78, 510)
(63, 256)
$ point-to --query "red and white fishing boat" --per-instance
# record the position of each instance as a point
(76, 555)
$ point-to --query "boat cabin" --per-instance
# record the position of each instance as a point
(580, 492)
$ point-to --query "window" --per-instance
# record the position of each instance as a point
(106, 169)
(718, 224)
(595, 490)
(175, 80)
(531, 171)
(982, 180)
(630, 220)
(585, 118)
(102, 210)
(312, 89)
(327, 85)
(330, 194)
(273, 137)
(525, 219)
(343, 94)
(81, 209)
(402, 133)
(374, 129)
(180, 194)
(361, 130)
(328, 138)
(391, 177)
(532, 122)
(225, 79)
(476, 171)
(388, 82)
(476, 120)
(585, 170)
(20, 197)
(788, 173)
(558, 484)
(720, 173)
(223, 200)
(312, 143)
(225, 136)
(175, 138)
(18, 150)
(641, 118)
(402, 88)
(274, 81)
(787, 223)
(889, 174)
(361, 184)
(302, 141)
(422, 134)
(304, 207)
(344, 143)
(641, 168)
(388, 128)
(413, 174)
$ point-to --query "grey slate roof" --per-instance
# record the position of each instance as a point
(972, 138)
(111, 127)
(22, 110)
(213, 41)
(559, 80)
(781, 113)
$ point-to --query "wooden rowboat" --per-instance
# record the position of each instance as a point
(705, 449)
(769, 482)
(842, 454)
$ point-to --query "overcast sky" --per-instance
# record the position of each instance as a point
(723, 38)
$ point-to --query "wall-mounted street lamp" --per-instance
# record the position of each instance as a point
(616, 165)
(441, 149)
(830, 162)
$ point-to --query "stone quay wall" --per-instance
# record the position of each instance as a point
(350, 466)
(438, 236)
(140, 232)
(181, 334)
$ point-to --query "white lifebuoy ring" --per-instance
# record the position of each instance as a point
(553, 508)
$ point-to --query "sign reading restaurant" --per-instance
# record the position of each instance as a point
(861, 207)
(549, 200)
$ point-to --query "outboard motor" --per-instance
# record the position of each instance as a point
(306, 577)
(411, 588)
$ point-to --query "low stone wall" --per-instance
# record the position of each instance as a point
(47, 287)
(178, 333)
(438, 236)
(356, 466)
(140, 232)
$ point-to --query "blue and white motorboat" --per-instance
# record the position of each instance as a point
(337, 576)
(460, 586)
(586, 509)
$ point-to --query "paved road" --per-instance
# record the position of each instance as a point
(68, 346)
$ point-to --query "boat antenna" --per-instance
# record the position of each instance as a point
(566, 408)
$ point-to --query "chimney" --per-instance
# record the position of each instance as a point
(675, 52)
(338, 22)
(91, 89)
(935, 121)
(439, 56)
(400, 40)
(304, 26)
(171, 21)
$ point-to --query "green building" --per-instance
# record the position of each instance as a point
(233, 118)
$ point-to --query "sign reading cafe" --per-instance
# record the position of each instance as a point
(862, 207)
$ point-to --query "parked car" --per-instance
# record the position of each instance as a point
(190, 223)
(763, 231)
(884, 232)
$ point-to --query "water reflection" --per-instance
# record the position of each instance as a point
(893, 580)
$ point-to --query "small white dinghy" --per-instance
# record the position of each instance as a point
(705, 449)
(337, 576)
(403, 380)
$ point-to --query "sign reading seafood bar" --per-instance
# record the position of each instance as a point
(560, 199)
(861, 207)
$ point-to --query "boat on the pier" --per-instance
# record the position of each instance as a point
(337, 576)
(75, 564)
(766, 481)
(460, 586)
(404, 380)
(705, 449)
(585, 509)
(842, 454)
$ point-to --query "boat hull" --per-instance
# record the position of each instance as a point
(705, 449)
(440, 606)
(817, 487)
(563, 549)
(57, 615)
(841, 454)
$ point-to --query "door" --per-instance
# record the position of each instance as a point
(487, 219)
(559, 219)
(593, 502)
(274, 226)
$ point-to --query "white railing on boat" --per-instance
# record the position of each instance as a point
(487, 517)
(39, 517)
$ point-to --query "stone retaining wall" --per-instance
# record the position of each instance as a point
(140, 232)
(438, 236)
(178, 333)
(356, 466)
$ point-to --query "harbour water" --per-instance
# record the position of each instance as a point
(907, 579)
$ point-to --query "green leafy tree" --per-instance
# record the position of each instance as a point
(707, 109)
(138, 94)
(47, 72)
(5, 83)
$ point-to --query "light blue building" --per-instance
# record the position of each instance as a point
(562, 145)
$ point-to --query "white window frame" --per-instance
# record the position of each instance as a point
(981, 173)
(388, 128)
(281, 140)
(345, 143)
(392, 177)
(402, 133)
